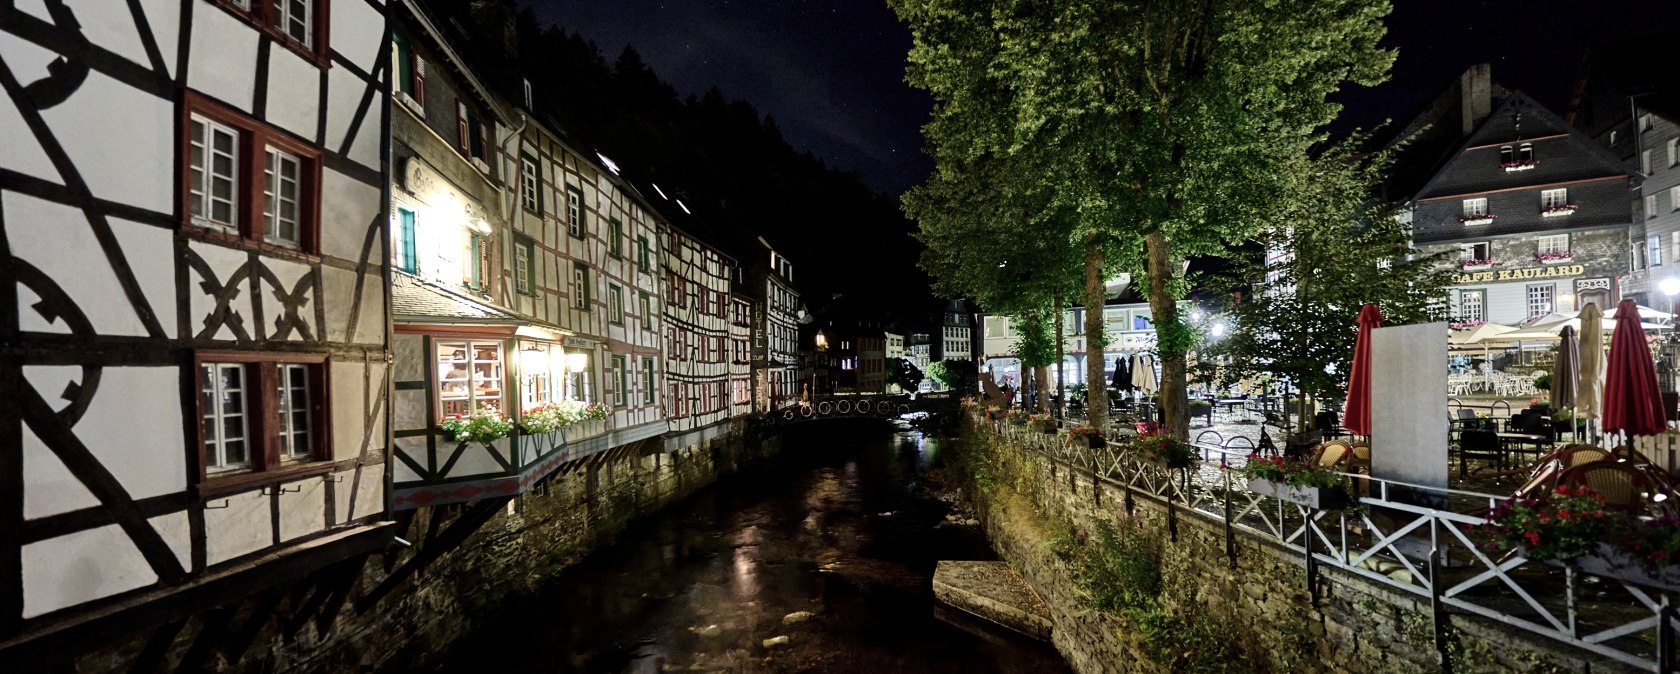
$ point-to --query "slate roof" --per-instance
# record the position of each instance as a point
(413, 298)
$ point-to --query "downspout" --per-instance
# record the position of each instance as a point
(503, 207)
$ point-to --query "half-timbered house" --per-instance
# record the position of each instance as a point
(193, 321)
(697, 277)
(776, 322)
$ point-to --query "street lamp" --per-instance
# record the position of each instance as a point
(1218, 330)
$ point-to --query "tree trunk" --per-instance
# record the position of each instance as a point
(1164, 309)
(1096, 336)
(1041, 375)
(1061, 386)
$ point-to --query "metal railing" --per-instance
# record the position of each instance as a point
(1412, 538)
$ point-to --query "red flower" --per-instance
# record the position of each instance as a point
(1533, 538)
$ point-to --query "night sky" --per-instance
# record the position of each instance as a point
(832, 71)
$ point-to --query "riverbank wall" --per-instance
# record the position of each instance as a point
(400, 611)
(1135, 586)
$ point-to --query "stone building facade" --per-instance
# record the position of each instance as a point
(1533, 214)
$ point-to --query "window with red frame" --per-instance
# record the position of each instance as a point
(245, 179)
(299, 24)
(260, 412)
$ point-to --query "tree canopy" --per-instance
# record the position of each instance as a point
(1149, 130)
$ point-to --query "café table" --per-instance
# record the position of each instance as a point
(1508, 439)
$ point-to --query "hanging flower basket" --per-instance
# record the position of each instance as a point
(1017, 417)
(1321, 498)
(1042, 423)
(1093, 437)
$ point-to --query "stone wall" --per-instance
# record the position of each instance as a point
(528, 542)
(1259, 602)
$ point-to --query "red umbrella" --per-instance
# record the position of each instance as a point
(1356, 416)
(1631, 400)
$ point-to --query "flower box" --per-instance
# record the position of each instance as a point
(1613, 562)
(1476, 265)
(1096, 441)
(1558, 211)
(1321, 498)
(1514, 166)
(1477, 220)
(1555, 258)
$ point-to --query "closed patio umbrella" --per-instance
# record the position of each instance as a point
(1356, 414)
(1632, 403)
(1121, 376)
(1589, 385)
(1566, 370)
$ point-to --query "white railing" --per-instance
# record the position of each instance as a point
(1411, 538)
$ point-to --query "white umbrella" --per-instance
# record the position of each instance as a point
(1589, 389)
(1477, 334)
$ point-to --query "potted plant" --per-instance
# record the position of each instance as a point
(483, 426)
(1043, 423)
(1017, 417)
(1649, 550)
(1201, 408)
(1295, 481)
(1572, 526)
(1162, 450)
(1093, 437)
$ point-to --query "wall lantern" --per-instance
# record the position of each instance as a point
(577, 361)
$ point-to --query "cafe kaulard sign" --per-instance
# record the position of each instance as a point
(1552, 271)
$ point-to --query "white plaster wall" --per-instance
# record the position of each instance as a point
(53, 238)
(411, 358)
(242, 527)
(408, 410)
(224, 54)
(289, 273)
(81, 567)
(474, 461)
(49, 487)
(348, 207)
(370, 328)
(294, 90)
(224, 263)
(23, 154)
(303, 512)
(133, 431)
(356, 30)
(176, 531)
(151, 255)
(413, 448)
(344, 94)
(349, 396)
(370, 493)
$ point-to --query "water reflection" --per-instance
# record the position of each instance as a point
(834, 529)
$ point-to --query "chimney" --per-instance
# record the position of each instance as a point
(1475, 96)
(495, 19)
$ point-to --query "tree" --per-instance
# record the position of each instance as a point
(961, 376)
(1158, 127)
(1331, 249)
(1037, 346)
(903, 374)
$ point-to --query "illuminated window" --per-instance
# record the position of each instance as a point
(574, 211)
(469, 377)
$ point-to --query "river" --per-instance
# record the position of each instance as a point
(838, 527)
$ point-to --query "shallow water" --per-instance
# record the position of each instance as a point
(836, 527)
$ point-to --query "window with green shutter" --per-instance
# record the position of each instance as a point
(407, 260)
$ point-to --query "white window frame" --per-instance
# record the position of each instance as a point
(649, 374)
(476, 396)
(215, 412)
(277, 195)
(1645, 122)
(1645, 161)
(1654, 244)
(1475, 207)
(615, 303)
(296, 441)
(1538, 305)
(1552, 243)
(1650, 206)
(580, 287)
(202, 176)
(1467, 251)
(574, 211)
(1674, 151)
(1674, 198)
(522, 267)
(621, 394)
(287, 13)
(1472, 311)
(529, 182)
(1554, 198)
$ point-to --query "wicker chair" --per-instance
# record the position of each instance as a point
(1333, 455)
(1622, 485)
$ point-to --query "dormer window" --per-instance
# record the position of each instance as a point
(1520, 158)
